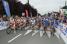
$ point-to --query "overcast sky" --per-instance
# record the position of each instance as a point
(44, 6)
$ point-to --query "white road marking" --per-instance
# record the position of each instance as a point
(57, 35)
(48, 34)
(14, 38)
(41, 33)
(28, 31)
(35, 31)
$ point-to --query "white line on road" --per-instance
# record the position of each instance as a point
(14, 38)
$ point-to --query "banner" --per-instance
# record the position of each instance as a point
(6, 7)
(64, 31)
(4, 25)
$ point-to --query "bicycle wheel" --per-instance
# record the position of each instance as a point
(8, 30)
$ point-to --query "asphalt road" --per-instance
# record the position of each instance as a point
(28, 39)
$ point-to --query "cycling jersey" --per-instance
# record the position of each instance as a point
(46, 22)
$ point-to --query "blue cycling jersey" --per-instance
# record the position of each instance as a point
(46, 22)
(56, 23)
(52, 23)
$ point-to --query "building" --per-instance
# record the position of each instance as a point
(64, 8)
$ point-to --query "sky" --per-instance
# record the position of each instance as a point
(45, 6)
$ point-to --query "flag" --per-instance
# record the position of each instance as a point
(26, 13)
(6, 7)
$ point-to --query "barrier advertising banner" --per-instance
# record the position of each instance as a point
(6, 7)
